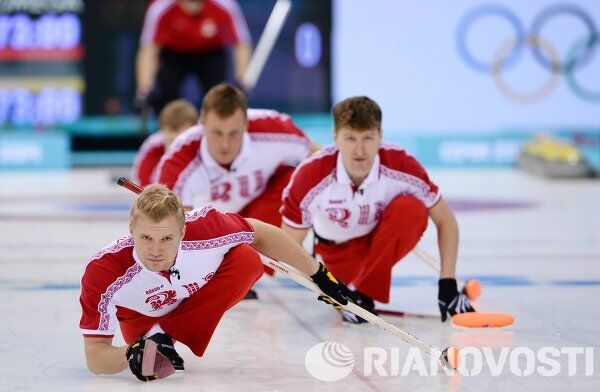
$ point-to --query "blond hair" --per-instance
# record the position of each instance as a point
(157, 202)
(358, 113)
(224, 99)
(178, 115)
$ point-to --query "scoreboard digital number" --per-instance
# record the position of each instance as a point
(41, 54)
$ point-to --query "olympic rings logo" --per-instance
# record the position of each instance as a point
(509, 52)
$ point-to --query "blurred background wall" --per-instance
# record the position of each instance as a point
(462, 83)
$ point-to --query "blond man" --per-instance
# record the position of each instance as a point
(174, 277)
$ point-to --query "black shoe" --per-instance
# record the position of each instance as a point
(364, 302)
(166, 347)
(251, 294)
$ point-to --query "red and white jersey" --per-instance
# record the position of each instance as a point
(322, 195)
(147, 158)
(219, 24)
(115, 281)
(192, 173)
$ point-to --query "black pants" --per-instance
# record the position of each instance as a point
(209, 67)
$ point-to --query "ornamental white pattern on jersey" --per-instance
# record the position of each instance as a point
(412, 180)
(245, 237)
(112, 289)
(189, 169)
(310, 197)
(198, 213)
(114, 247)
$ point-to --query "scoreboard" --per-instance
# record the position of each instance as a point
(62, 59)
(41, 55)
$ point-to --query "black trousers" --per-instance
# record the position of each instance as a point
(209, 67)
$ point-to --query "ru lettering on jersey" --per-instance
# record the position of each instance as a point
(245, 189)
(342, 215)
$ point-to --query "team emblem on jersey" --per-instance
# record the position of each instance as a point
(192, 287)
(339, 215)
(209, 276)
(157, 301)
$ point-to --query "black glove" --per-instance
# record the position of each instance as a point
(336, 291)
(450, 300)
(135, 355)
